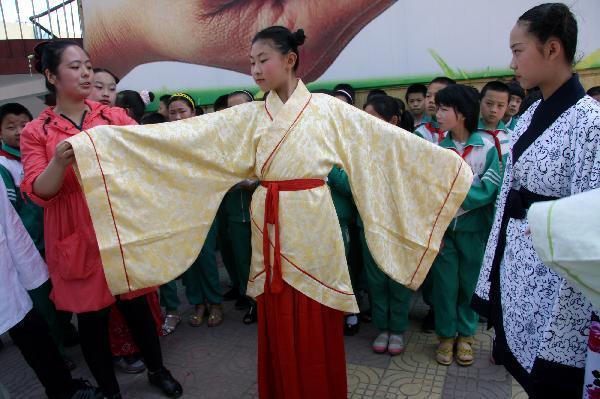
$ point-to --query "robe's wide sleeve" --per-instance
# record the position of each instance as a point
(406, 189)
(153, 190)
(566, 236)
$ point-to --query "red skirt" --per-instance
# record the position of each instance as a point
(121, 340)
(300, 348)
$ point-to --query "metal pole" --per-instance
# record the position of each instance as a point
(64, 10)
(72, 19)
(80, 15)
(36, 31)
(58, 23)
(3, 20)
(19, 18)
(50, 20)
(5, 31)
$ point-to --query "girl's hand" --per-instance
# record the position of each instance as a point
(64, 154)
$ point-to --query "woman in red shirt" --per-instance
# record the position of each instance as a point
(72, 251)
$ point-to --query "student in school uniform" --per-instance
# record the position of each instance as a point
(132, 102)
(415, 98)
(345, 209)
(517, 95)
(430, 130)
(13, 118)
(390, 301)
(406, 122)
(494, 99)
(354, 256)
(432, 133)
(236, 205)
(456, 268)
(223, 239)
(201, 279)
(72, 251)
(163, 105)
(376, 92)
(105, 87)
(344, 92)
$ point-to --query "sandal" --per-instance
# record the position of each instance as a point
(444, 351)
(197, 317)
(170, 323)
(464, 351)
(251, 315)
(215, 314)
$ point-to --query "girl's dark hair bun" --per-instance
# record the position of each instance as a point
(299, 37)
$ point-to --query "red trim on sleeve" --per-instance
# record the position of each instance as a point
(435, 222)
(112, 214)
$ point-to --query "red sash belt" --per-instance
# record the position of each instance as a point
(272, 217)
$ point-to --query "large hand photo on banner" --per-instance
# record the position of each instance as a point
(202, 46)
(218, 32)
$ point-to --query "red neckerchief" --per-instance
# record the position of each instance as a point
(494, 134)
(434, 130)
(9, 155)
(465, 153)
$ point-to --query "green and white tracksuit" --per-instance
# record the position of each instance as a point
(456, 268)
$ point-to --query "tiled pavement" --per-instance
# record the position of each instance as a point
(220, 363)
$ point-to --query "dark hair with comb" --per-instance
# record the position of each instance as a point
(283, 39)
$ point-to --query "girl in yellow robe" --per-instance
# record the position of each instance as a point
(154, 190)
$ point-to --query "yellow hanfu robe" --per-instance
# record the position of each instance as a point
(153, 192)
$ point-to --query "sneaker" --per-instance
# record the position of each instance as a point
(444, 352)
(165, 381)
(428, 325)
(380, 344)
(129, 364)
(85, 390)
(395, 345)
(464, 351)
(351, 325)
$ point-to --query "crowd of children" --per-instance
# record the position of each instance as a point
(123, 332)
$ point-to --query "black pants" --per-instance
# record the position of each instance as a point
(32, 337)
(95, 341)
